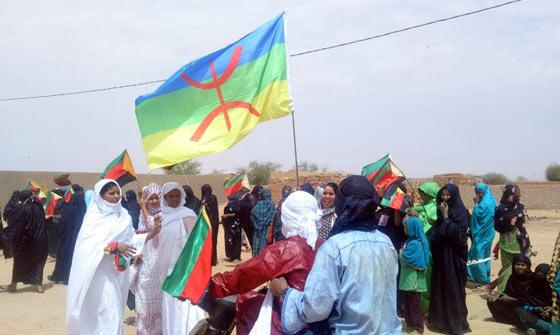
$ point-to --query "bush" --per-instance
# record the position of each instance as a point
(308, 166)
(552, 172)
(494, 178)
(259, 172)
(191, 167)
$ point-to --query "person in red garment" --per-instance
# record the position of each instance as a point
(291, 258)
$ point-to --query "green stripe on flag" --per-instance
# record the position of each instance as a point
(191, 105)
(176, 281)
(234, 180)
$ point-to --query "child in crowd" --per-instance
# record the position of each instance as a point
(414, 259)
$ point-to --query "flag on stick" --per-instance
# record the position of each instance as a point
(235, 184)
(213, 102)
(388, 179)
(193, 269)
(120, 169)
(52, 198)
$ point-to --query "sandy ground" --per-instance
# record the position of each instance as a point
(27, 312)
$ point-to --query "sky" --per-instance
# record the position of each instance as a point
(473, 95)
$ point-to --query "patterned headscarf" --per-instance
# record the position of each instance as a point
(150, 190)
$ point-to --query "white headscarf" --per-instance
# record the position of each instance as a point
(103, 223)
(300, 213)
(179, 212)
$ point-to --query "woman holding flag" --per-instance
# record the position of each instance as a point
(99, 281)
(177, 222)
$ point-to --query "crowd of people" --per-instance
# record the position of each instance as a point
(336, 260)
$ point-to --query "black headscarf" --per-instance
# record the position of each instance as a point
(540, 292)
(355, 205)
(307, 188)
(518, 284)
(191, 201)
(206, 194)
(506, 211)
(457, 211)
(132, 206)
(14, 199)
(77, 188)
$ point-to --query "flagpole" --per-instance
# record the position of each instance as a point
(295, 147)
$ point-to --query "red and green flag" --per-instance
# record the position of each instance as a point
(193, 269)
(50, 204)
(235, 184)
(388, 179)
(40, 191)
(120, 169)
(68, 194)
(62, 180)
(213, 102)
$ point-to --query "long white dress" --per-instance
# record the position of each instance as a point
(146, 284)
(97, 292)
(178, 317)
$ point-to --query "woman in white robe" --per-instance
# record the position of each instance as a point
(178, 317)
(97, 292)
(144, 274)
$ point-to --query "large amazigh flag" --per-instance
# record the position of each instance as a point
(120, 169)
(387, 178)
(235, 184)
(193, 269)
(213, 102)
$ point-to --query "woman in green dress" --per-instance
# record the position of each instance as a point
(509, 221)
(426, 211)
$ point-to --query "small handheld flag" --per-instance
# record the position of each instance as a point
(235, 184)
(120, 169)
(193, 268)
(388, 179)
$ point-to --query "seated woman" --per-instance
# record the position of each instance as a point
(291, 258)
(535, 313)
(516, 291)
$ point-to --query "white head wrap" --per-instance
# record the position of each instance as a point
(179, 212)
(300, 213)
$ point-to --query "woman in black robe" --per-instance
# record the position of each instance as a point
(210, 203)
(231, 220)
(133, 208)
(191, 201)
(14, 200)
(448, 308)
(536, 312)
(28, 235)
(71, 222)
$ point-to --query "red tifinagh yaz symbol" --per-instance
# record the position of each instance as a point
(215, 84)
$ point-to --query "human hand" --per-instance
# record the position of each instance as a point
(278, 285)
(157, 227)
(143, 202)
(546, 312)
(514, 221)
(444, 209)
(126, 249)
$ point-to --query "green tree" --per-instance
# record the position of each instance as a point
(552, 172)
(190, 167)
(259, 172)
(494, 178)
